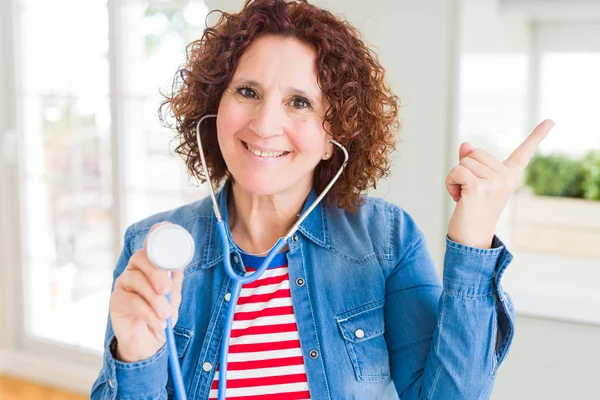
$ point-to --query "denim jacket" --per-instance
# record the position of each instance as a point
(369, 305)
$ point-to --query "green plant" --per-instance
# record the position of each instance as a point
(591, 165)
(556, 175)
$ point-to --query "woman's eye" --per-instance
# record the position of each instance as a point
(247, 92)
(300, 103)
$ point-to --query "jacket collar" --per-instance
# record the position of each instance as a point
(314, 227)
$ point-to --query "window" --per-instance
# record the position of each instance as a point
(95, 157)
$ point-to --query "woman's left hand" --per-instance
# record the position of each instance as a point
(481, 186)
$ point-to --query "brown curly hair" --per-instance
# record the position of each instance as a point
(362, 113)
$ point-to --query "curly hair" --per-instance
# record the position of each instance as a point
(362, 112)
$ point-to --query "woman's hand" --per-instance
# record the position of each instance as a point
(139, 309)
(481, 186)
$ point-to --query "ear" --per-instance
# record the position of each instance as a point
(329, 148)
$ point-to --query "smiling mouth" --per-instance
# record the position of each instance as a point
(265, 154)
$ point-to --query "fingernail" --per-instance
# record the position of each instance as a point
(164, 287)
(160, 288)
(551, 125)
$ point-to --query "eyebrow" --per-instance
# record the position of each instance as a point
(301, 92)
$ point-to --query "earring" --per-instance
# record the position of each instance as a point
(326, 156)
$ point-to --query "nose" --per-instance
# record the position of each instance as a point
(267, 120)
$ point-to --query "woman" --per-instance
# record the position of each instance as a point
(353, 303)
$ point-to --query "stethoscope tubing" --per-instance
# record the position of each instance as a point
(173, 359)
(238, 280)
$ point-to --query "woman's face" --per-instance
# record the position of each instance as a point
(270, 118)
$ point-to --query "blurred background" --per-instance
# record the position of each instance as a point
(82, 156)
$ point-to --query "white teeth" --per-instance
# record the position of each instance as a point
(269, 154)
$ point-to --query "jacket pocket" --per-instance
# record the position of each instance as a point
(362, 330)
(183, 337)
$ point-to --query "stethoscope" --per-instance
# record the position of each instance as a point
(171, 248)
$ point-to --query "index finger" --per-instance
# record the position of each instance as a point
(520, 157)
(158, 279)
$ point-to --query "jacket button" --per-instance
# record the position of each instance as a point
(235, 259)
(207, 367)
(359, 333)
(295, 238)
(227, 296)
(313, 354)
(111, 384)
(300, 282)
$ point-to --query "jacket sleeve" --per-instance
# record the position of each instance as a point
(446, 341)
(146, 379)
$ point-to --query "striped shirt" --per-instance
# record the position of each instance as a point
(265, 360)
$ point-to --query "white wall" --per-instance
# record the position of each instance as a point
(549, 359)
(9, 277)
(414, 41)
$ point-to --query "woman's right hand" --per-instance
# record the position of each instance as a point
(139, 309)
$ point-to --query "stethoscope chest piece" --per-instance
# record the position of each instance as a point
(170, 247)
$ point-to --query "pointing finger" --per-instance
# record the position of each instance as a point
(519, 158)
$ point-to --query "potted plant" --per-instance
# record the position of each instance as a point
(558, 210)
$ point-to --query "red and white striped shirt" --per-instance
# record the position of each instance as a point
(265, 360)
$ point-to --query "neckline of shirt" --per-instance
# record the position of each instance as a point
(252, 261)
